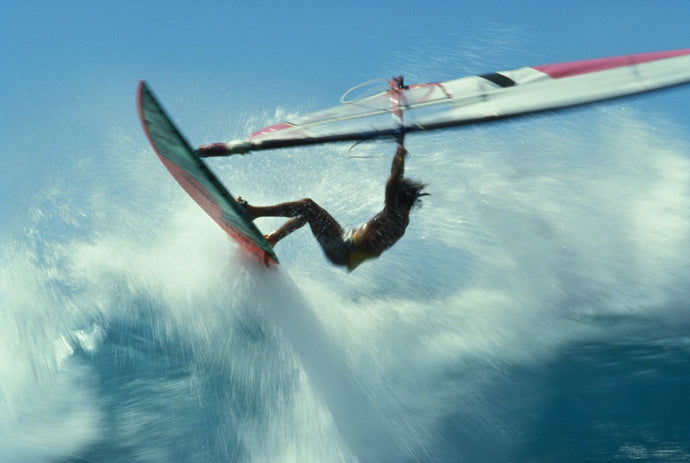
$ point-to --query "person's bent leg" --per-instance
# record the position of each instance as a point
(289, 209)
(324, 227)
(328, 233)
(287, 228)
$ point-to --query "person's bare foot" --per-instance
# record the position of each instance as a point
(272, 240)
(245, 206)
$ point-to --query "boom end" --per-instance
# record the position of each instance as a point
(224, 149)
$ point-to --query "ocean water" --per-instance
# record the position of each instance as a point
(535, 310)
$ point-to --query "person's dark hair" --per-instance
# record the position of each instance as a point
(410, 193)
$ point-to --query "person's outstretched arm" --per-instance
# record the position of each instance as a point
(394, 181)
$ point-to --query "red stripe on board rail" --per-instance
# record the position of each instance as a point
(575, 68)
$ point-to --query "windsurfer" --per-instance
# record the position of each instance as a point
(350, 248)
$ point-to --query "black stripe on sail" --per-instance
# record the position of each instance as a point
(499, 79)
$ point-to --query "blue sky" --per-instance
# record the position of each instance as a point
(71, 68)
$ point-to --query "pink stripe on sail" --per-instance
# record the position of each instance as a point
(575, 68)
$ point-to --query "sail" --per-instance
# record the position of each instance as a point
(472, 99)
